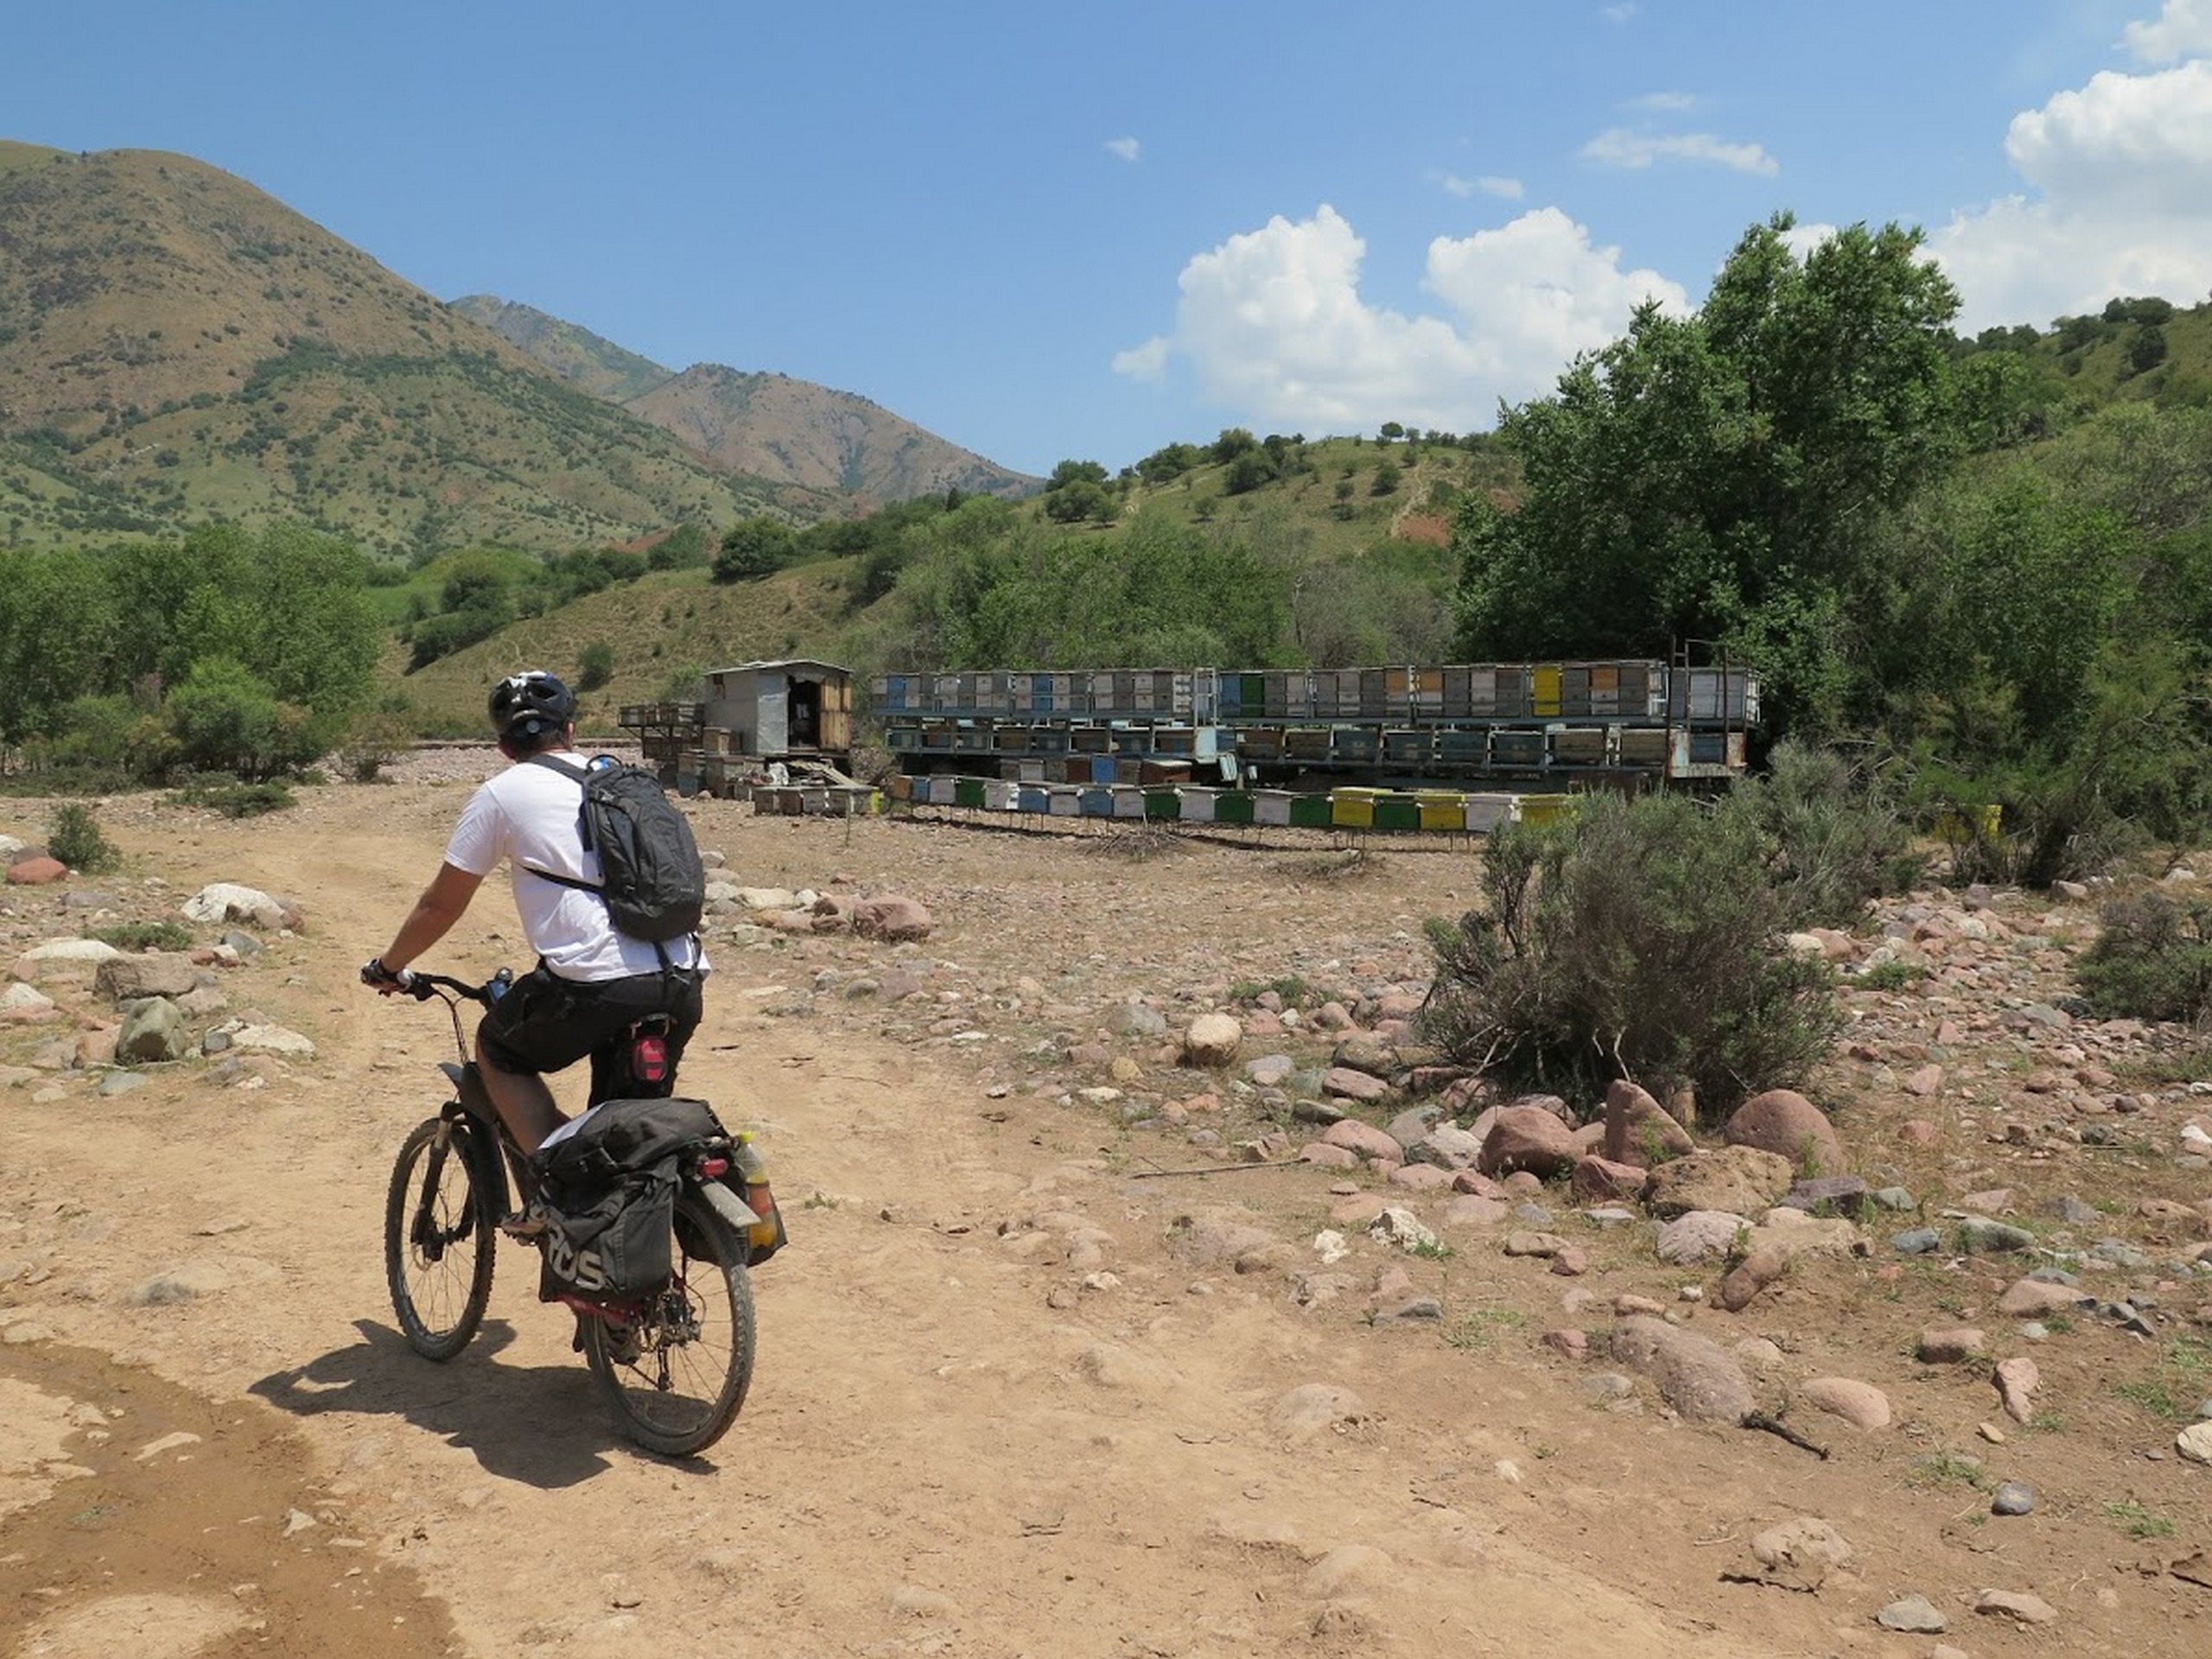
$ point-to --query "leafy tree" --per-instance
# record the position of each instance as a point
(1169, 462)
(595, 666)
(1390, 432)
(755, 549)
(2146, 347)
(1075, 472)
(685, 548)
(1233, 441)
(1386, 480)
(1715, 477)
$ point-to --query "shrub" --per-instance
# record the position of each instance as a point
(1637, 941)
(77, 841)
(1838, 837)
(235, 800)
(2153, 960)
(595, 666)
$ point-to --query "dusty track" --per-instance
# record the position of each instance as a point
(952, 1447)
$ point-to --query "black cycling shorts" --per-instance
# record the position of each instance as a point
(545, 1023)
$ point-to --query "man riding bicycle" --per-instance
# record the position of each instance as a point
(593, 985)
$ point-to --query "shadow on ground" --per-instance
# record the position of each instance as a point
(545, 1426)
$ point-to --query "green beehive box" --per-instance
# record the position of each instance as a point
(1396, 812)
(1232, 806)
(968, 791)
(1162, 803)
(1311, 812)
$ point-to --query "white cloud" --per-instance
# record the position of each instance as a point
(1665, 103)
(1619, 13)
(1488, 185)
(1273, 322)
(2117, 201)
(1127, 148)
(1620, 147)
(2183, 29)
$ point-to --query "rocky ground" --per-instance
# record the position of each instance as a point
(1152, 1291)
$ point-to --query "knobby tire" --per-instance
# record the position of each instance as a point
(683, 1387)
(438, 1241)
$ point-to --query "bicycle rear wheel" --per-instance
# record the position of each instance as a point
(438, 1242)
(678, 1375)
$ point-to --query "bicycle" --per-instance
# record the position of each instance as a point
(675, 1365)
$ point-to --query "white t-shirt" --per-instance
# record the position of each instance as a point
(528, 815)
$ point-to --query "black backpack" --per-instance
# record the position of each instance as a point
(655, 885)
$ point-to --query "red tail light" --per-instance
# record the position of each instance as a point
(713, 1169)
(649, 1059)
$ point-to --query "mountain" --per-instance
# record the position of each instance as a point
(176, 345)
(767, 425)
(597, 367)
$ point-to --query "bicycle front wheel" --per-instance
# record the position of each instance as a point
(678, 1375)
(438, 1242)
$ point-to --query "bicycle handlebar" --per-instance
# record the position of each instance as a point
(423, 987)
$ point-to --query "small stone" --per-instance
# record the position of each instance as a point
(1915, 1614)
(1860, 1404)
(2017, 1381)
(1951, 1344)
(2013, 1497)
(2195, 1442)
(1919, 1241)
(2021, 1604)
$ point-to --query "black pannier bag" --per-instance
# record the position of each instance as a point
(609, 1192)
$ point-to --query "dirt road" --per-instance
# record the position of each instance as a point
(996, 1413)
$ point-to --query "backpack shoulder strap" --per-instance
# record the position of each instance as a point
(554, 763)
(581, 774)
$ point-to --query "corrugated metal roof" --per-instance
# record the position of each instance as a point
(784, 662)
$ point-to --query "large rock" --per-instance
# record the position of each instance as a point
(1700, 1237)
(227, 901)
(1347, 1084)
(1212, 1041)
(1364, 1141)
(1742, 1179)
(1363, 1050)
(1600, 1180)
(1638, 1130)
(153, 1030)
(892, 916)
(36, 872)
(1693, 1374)
(1784, 1123)
(1527, 1137)
(126, 979)
(1860, 1404)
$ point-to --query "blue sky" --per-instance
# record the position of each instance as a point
(1045, 231)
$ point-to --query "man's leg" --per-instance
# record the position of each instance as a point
(523, 1103)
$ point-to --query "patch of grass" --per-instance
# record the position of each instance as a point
(145, 936)
(1949, 1468)
(1431, 1250)
(2137, 1521)
(1479, 1331)
(1891, 976)
(2183, 1375)
(2046, 1422)
(1289, 988)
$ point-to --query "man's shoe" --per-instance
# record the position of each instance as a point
(528, 1223)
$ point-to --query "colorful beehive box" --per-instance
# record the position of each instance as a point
(1199, 803)
(1440, 808)
(1397, 812)
(1548, 809)
(1062, 803)
(1352, 809)
(1233, 806)
(1487, 812)
(1096, 802)
(1032, 799)
(902, 787)
(1311, 812)
(1163, 803)
(1271, 806)
(968, 791)
(1578, 746)
(1129, 801)
(944, 790)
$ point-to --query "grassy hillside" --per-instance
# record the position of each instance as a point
(664, 629)
(174, 345)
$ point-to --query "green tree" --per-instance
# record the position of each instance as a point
(1717, 476)
(755, 549)
(595, 666)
